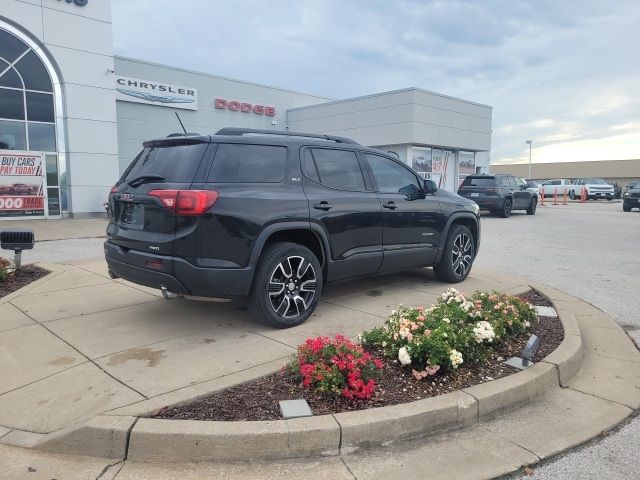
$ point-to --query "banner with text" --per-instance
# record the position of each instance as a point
(22, 184)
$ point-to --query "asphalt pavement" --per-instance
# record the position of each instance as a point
(590, 251)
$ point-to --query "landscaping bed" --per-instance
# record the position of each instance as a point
(394, 383)
(10, 282)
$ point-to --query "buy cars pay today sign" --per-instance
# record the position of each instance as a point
(21, 184)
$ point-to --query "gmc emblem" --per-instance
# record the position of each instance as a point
(245, 107)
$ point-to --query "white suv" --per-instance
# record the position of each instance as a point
(595, 187)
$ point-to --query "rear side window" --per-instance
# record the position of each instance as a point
(337, 169)
(175, 163)
(239, 163)
(478, 182)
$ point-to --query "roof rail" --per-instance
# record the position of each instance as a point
(252, 131)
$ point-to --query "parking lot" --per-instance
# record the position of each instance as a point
(589, 250)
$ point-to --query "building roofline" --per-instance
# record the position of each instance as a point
(220, 77)
(401, 90)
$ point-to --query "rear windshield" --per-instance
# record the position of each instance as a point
(479, 182)
(175, 163)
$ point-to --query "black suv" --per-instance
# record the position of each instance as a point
(631, 198)
(274, 216)
(499, 193)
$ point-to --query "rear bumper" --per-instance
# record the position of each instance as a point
(631, 201)
(489, 203)
(176, 274)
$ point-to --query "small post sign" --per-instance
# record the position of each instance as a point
(22, 184)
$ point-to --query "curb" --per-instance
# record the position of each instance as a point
(179, 441)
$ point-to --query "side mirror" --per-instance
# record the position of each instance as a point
(430, 187)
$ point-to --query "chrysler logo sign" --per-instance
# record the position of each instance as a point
(156, 93)
(245, 107)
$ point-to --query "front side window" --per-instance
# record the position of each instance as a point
(392, 177)
(337, 169)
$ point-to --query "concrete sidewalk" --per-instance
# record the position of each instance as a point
(77, 344)
(60, 229)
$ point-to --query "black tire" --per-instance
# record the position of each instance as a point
(609, 198)
(532, 206)
(572, 195)
(626, 207)
(455, 267)
(506, 208)
(294, 303)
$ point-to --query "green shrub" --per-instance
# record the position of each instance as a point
(456, 329)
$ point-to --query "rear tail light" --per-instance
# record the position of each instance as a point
(114, 189)
(186, 202)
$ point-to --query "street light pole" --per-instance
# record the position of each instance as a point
(529, 142)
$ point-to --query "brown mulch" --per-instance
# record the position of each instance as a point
(258, 399)
(24, 276)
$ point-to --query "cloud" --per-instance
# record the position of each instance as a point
(557, 72)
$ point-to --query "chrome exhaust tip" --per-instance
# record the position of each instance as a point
(167, 294)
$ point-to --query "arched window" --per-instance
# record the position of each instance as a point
(27, 108)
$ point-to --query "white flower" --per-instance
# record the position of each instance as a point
(527, 324)
(384, 344)
(404, 357)
(359, 338)
(446, 320)
(456, 358)
(483, 332)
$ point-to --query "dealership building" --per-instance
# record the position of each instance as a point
(73, 115)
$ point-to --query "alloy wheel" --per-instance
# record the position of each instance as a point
(292, 287)
(461, 254)
(507, 208)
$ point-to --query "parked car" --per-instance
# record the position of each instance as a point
(532, 185)
(558, 185)
(595, 188)
(18, 189)
(631, 197)
(499, 193)
(274, 216)
(629, 186)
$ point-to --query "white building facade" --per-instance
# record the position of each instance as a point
(73, 115)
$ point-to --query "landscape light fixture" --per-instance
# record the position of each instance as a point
(17, 240)
(295, 408)
(529, 142)
(524, 361)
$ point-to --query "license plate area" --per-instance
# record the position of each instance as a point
(475, 194)
(132, 215)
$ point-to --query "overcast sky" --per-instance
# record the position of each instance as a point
(564, 73)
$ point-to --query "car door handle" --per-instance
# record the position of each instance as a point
(390, 205)
(323, 206)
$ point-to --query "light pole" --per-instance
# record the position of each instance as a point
(529, 142)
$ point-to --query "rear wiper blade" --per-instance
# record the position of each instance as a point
(136, 182)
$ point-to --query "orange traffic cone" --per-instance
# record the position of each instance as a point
(541, 197)
(564, 197)
(555, 196)
(583, 195)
